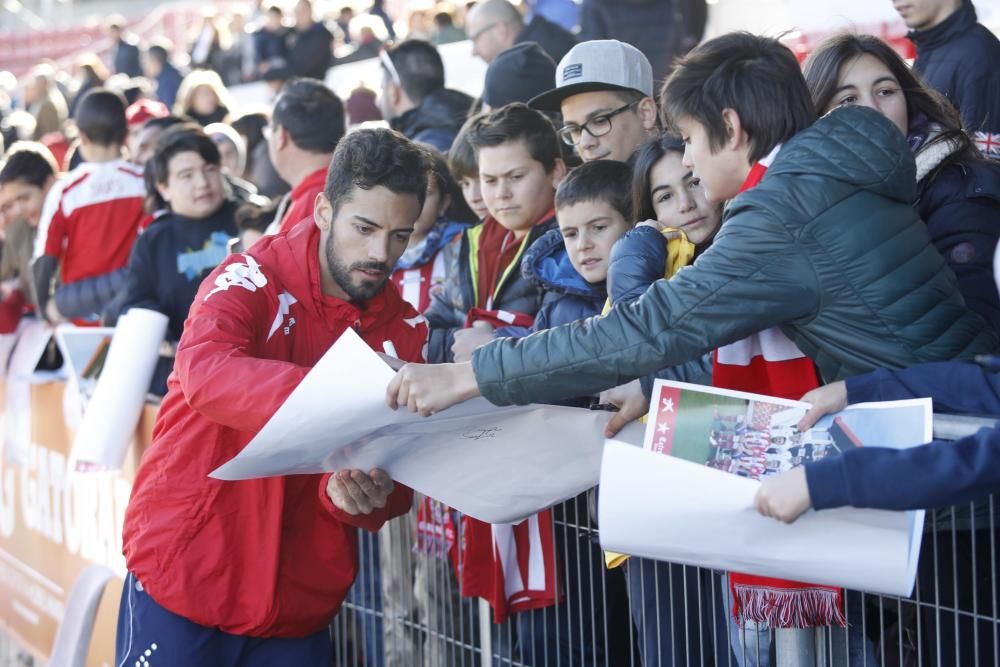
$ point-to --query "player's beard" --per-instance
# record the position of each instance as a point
(341, 274)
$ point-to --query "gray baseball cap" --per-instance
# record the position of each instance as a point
(600, 64)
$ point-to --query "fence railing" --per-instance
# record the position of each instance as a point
(406, 608)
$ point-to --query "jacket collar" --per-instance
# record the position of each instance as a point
(951, 28)
(310, 182)
(547, 264)
(441, 234)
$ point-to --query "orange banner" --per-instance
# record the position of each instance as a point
(54, 524)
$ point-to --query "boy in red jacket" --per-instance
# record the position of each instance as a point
(251, 572)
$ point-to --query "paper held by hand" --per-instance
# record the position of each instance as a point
(498, 465)
(687, 496)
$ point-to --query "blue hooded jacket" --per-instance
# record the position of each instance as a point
(441, 234)
(567, 296)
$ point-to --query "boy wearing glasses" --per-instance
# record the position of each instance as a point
(604, 89)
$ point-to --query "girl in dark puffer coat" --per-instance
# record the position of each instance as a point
(958, 190)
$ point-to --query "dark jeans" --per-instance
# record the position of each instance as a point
(678, 615)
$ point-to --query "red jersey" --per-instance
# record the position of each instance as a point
(265, 557)
(303, 198)
(91, 219)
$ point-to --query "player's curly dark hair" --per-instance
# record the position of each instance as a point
(371, 157)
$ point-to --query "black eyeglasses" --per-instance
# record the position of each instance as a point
(597, 126)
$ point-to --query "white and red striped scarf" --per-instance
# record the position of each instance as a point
(510, 565)
(769, 363)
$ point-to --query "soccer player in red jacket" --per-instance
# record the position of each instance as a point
(251, 572)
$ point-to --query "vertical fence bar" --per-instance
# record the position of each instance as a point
(795, 647)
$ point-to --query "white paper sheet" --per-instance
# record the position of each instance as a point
(498, 465)
(667, 502)
(33, 337)
(113, 411)
(669, 509)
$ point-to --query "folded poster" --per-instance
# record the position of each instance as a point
(687, 496)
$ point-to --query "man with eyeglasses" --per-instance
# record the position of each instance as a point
(604, 89)
(495, 25)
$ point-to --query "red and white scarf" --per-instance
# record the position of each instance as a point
(769, 363)
(512, 566)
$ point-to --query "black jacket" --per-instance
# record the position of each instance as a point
(961, 59)
(436, 120)
(127, 59)
(552, 37)
(960, 202)
(311, 54)
(168, 263)
(449, 307)
(661, 29)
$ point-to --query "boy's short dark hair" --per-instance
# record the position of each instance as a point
(518, 122)
(758, 77)
(312, 114)
(419, 66)
(607, 181)
(461, 155)
(29, 162)
(370, 157)
(100, 117)
(437, 168)
(177, 139)
(158, 52)
(166, 122)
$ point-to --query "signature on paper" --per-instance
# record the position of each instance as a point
(481, 433)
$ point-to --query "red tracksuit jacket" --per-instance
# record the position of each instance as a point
(266, 557)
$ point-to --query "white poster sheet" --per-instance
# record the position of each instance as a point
(32, 339)
(113, 412)
(687, 495)
(498, 465)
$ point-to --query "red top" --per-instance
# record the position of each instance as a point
(91, 219)
(266, 557)
(303, 197)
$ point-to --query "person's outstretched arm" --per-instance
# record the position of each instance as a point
(934, 475)
(937, 474)
(743, 284)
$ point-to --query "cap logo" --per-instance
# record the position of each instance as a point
(574, 71)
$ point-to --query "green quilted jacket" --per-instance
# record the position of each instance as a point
(827, 246)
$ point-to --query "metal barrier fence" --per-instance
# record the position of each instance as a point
(406, 609)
